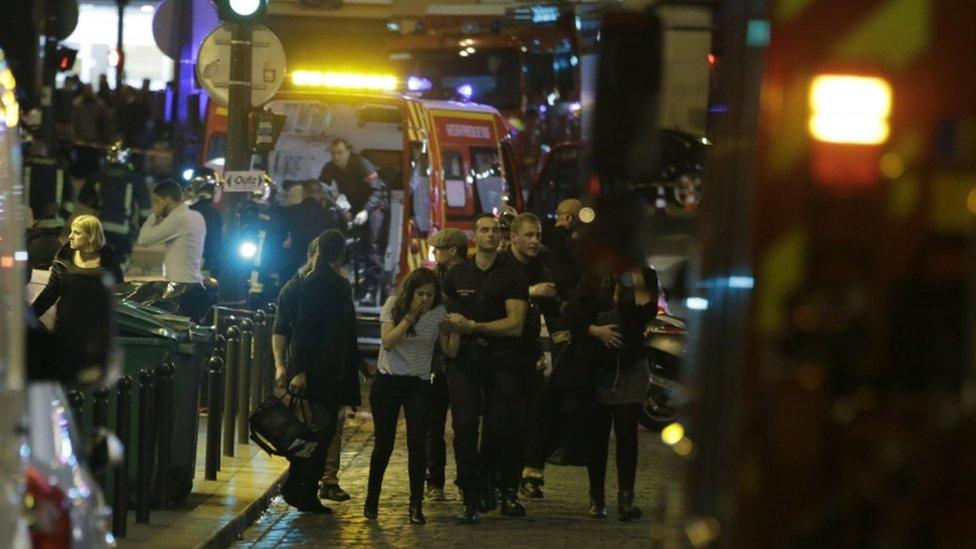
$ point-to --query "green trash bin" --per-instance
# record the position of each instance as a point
(149, 337)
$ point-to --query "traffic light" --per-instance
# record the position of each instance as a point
(241, 10)
(65, 58)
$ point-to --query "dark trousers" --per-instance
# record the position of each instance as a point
(439, 401)
(387, 395)
(372, 248)
(623, 419)
(486, 384)
(526, 360)
(535, 446)
(304, 473)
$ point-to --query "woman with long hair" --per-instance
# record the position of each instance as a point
(86, 253)
(410, 328)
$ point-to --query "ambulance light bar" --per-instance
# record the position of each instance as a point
(344, 80)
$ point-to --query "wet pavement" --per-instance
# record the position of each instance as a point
(558, 520)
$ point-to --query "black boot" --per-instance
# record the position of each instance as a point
(626, 510)
(469, 514)
(417, 513)
(489, 500)
(371, 507)
(302, 496)
(511, 506)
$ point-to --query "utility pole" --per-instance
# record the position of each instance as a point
(120, 65)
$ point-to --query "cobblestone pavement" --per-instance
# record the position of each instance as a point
(558, 520)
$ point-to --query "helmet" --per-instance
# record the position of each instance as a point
(267, 192)
(117, 153)
(203, 186)
(505, 218)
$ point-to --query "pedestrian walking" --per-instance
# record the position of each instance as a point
(608, 314)
(87, 254)
(450, 249)
(410, 330)
(323, 363)
(488, 303)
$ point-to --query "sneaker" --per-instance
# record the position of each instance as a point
(435, 493)
(333, 492)
(511, 506)
(469, 515)
(532, 488)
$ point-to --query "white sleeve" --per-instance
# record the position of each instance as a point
(153, 233)
(386, 315)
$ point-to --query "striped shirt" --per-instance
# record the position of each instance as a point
(412, 355)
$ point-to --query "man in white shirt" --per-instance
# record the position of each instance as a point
(180, 229)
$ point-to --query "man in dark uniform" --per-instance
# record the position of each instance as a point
(323, 363)
(450, 249)
(488, 301)
(358, 180)
(203, 188)
(300, 224)
(526, 233)
(120, 197)
(560, 243)
(47, 189)
(260, 221)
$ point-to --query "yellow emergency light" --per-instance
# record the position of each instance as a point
(850, 109)
(344, 80)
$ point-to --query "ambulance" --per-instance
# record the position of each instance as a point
(444, 162)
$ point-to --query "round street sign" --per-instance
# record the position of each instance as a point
(167, 35)
(63, 18)
(267, 64)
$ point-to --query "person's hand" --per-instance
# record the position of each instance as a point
(608, 335)
(420, 305)
(360, 218)
(460, 324)
(298, 383)
(542, 289)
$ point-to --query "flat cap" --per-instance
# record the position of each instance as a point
(449, 238)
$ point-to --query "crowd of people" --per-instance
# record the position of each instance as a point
(465, 336)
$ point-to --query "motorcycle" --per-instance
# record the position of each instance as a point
(665, 341)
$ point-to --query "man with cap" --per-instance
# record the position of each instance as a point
(450, 249)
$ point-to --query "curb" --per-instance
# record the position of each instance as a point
(234, 528)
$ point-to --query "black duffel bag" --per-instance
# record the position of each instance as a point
(285, 424)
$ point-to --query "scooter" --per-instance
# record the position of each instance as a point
(665, 341)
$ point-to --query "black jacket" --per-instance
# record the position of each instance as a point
(61, 265)
(323, 343)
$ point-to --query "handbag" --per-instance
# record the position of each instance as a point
(285, 424)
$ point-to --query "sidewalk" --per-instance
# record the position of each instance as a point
(216, 512)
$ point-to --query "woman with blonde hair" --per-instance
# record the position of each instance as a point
(86, 253)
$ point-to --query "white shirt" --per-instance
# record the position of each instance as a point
(183, 232)
(412, 355)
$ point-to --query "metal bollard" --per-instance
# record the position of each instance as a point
(258, 364)
(165, 435)
(120, 499)
(244, 380)
(144, 459)
(100, 419)
(268, 370)
(230, 388)
(220, 345)
(76, 399)
(212, 458)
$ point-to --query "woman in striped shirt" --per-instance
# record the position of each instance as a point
(410, 328)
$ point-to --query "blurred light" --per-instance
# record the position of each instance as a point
(671, 434)
(113, 58)
(146, 8)
(463, 53)
(971, 201)
(683, 447)
(470, 27)
(892, 165)
(6, 262)
(248, 250)
(702, 532)
(465, 91)
(546, 14)
(20, 255)
(344, 80)
(741, 282)
(575, 107)
(244, 7)
(393, 26)
(466, 42)
(718, 108)
(705, 141)
(552, 98)
(711, 59)
(418, 83)
(587, 215)
(574, 61)
(469, 49)
(696, 303)
(516, 124)
(579, 23)
(187, 174)
(757, 33)
(524, 49)
(850, 109)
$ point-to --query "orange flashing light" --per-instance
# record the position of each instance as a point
(849, 109)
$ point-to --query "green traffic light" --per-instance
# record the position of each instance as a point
(245, 8)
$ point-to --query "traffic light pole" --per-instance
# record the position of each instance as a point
(238, 158)
(48, 73)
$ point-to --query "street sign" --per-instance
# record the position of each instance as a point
(61, 17)
(267, 64)
(166, 33)
(243, 182)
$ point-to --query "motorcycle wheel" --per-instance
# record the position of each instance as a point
(656, 414)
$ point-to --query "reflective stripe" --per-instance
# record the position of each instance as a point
(58, 187)
(128, 201)
(27, 180)
(69, 207)
(55, 223)
(122, 228)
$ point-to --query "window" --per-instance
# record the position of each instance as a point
(455, 187)
(420, 186)
(491, 188)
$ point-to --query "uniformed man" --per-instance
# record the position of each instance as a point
(47, 189)
(260, 223)
(367, 194)
(203, 189)
(121, 199)
(488, 302)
